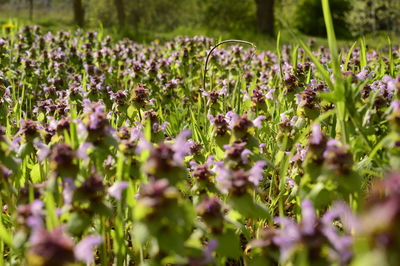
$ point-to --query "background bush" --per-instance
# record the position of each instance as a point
(374, 15)
(351, 17)
(229, 15)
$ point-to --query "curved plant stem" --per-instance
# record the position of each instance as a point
(215, 47)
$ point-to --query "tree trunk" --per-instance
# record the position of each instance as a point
(119, 5)
(31, 9)
(265, 16)
(79, 13)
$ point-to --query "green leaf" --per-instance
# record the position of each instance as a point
(77, 223)
(246, 206)
(229, 245)
(51, 216)
(141, 232)
(5, 235)
(35, 173)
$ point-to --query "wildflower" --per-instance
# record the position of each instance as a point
(239, 123)
(257, 122)
(140, 95)
(50, 248)
(238, 181)
(238, 153)
(195, 147)
(5, 173)
(92, 190)
(68, 190)
(116, 189)
(300, 154)
(220, 123)
(43, 150)
(181, 147)
(212, 96)
(29, 129)
(31, 215)
(119, 97)
(317, 144)
(210, 209)
(314, 233)
(84, 249)
(62, 160)
(256, 172)
(258, 97)
(82, 152)
(206, 257)
(202, 172)
(291, 82)
(383, 202)
(156, 196)
(337, 158)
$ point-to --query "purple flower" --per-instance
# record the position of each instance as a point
(363, 75)
(116, 189)
(163, 126)
(37, 207)
(54, 248)
(222, 178)
(84, 249)
(300, 154)
(35, 221)
(43, 150)
(207, 253)
(244, 155)
(256, 172)
(258, 121)
(237, 152)
(232, 119)
(68, 191)
(270, 94)
(314, 233)
(309, 218)
(220, 123)
(291, 182)
(316, 136)
(288, 236)
(338, 158)
(342, 210)
(238, 181)
(82, 151)
(396, 105)
(181, 147)
(143, 145)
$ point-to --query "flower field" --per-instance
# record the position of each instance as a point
(118, 153)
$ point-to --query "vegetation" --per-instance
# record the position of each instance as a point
(197, 152)
(140, 17)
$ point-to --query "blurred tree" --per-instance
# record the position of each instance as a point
(120, 7)
(265, 16)
(79, 13)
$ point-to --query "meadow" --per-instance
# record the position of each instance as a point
(120, 153)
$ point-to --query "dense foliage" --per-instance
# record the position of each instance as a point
(374, 15)
(114, 153)
(310, 20)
